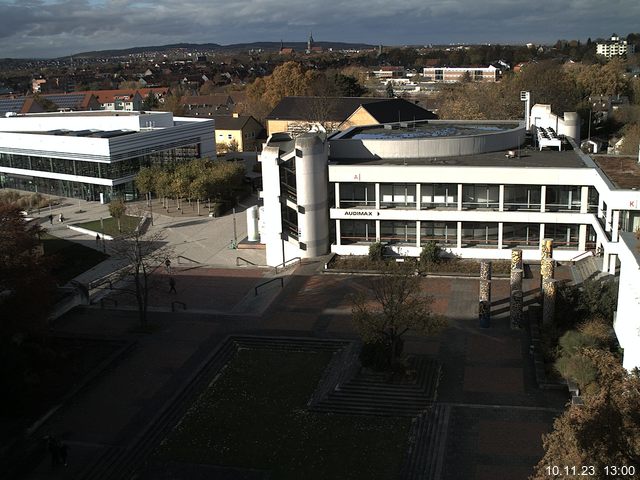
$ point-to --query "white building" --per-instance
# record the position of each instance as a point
(457, 74)
(93, 155)
(615, 47)
(476, 188)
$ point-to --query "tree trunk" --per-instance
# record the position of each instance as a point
(119, 227)
(198, 207)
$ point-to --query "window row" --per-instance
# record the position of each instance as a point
(472, 234)
(474, 196)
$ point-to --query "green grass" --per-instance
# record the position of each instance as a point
(70, 258)
(127, 223)
(254, 416)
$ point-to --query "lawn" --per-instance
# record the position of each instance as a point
(127, 223)
(254, 416)
(71, 259)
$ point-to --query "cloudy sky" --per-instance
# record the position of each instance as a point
(51, 28)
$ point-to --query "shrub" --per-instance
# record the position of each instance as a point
(376, 252)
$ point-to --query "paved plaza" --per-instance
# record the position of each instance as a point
(497, 413)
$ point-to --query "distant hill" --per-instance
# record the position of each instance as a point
(214, 47)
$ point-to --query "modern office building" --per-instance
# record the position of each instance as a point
(478, 189)
(94, 155)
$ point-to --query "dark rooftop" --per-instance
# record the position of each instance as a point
(624, 172)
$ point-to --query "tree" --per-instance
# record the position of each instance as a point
(142, 253)
(117, 209)
(26, 286)
(399, 306)
(603, 432)
(389, 90)
(150, 102)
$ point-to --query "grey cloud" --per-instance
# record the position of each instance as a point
(55, 27)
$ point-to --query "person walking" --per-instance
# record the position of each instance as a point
(172, 285)
(167, 264)
(51, 219)
(61, 218)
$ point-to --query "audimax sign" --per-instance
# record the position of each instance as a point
(361, 213)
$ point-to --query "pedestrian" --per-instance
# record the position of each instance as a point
(172, 285)
(64, 451)
(51, 219)
(54, 449)
(167, 264)
(60, 218)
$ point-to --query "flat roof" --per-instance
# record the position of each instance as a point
(528, 158)
(427, 129)
(624, 172)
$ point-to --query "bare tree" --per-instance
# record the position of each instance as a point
(395, 305)
(142, 252)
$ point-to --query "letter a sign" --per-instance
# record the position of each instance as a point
(356, 177)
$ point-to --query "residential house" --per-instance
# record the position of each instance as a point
(240, 132)
(296, 115)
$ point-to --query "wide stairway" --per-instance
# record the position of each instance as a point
(587, 269)
(372, 393)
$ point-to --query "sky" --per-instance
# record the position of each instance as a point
(55, 28)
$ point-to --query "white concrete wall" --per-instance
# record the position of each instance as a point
(93, 120)
(627, 322)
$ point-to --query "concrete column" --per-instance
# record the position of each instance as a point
(582, 237)
(459, 232)
(337, 194)
(338, 235)
(500, 230)
(501, 199)
(516, 302)
(418, 241)
(484, 310)
(615, 225)
(600, 206)
(613, 258)
(459, 197)
(541, 237)
(543, 199)
(607, 220)
(584, 199)
(377, 190)
(549, 288)
(516, 307)
(418, 196)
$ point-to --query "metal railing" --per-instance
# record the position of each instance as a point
(249, 262)
(287, 263)
(187, 259)
(583, 254)
(255, 290)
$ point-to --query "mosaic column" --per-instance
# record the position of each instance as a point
(516, 259)
(547, 248)
(549, 287)
(484, 311)
(546, 264)
(516, 309)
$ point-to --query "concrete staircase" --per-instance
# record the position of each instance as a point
(427, 442)
(371, 393)
(587, 269)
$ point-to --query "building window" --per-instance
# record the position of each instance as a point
(398, 232)
(477, 234)
(357, 195)
(289, 221)
(480, 196)
(477, 75)
(521, 235)
(439, 75)
(438, 195)
(357, 231)
(522, 197)
(564, 236)
(398, 195)
(443, 233)
(561, 198)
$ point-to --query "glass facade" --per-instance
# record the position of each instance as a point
(438, 195)
(480, 196)
(115, 170)
(444, 233)
(398, 195)
(517, 235)
(357, 195)
(565, 236)
(357, 231)
(562, 198)
(522, 197)
(479, 234)
(399, 232)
